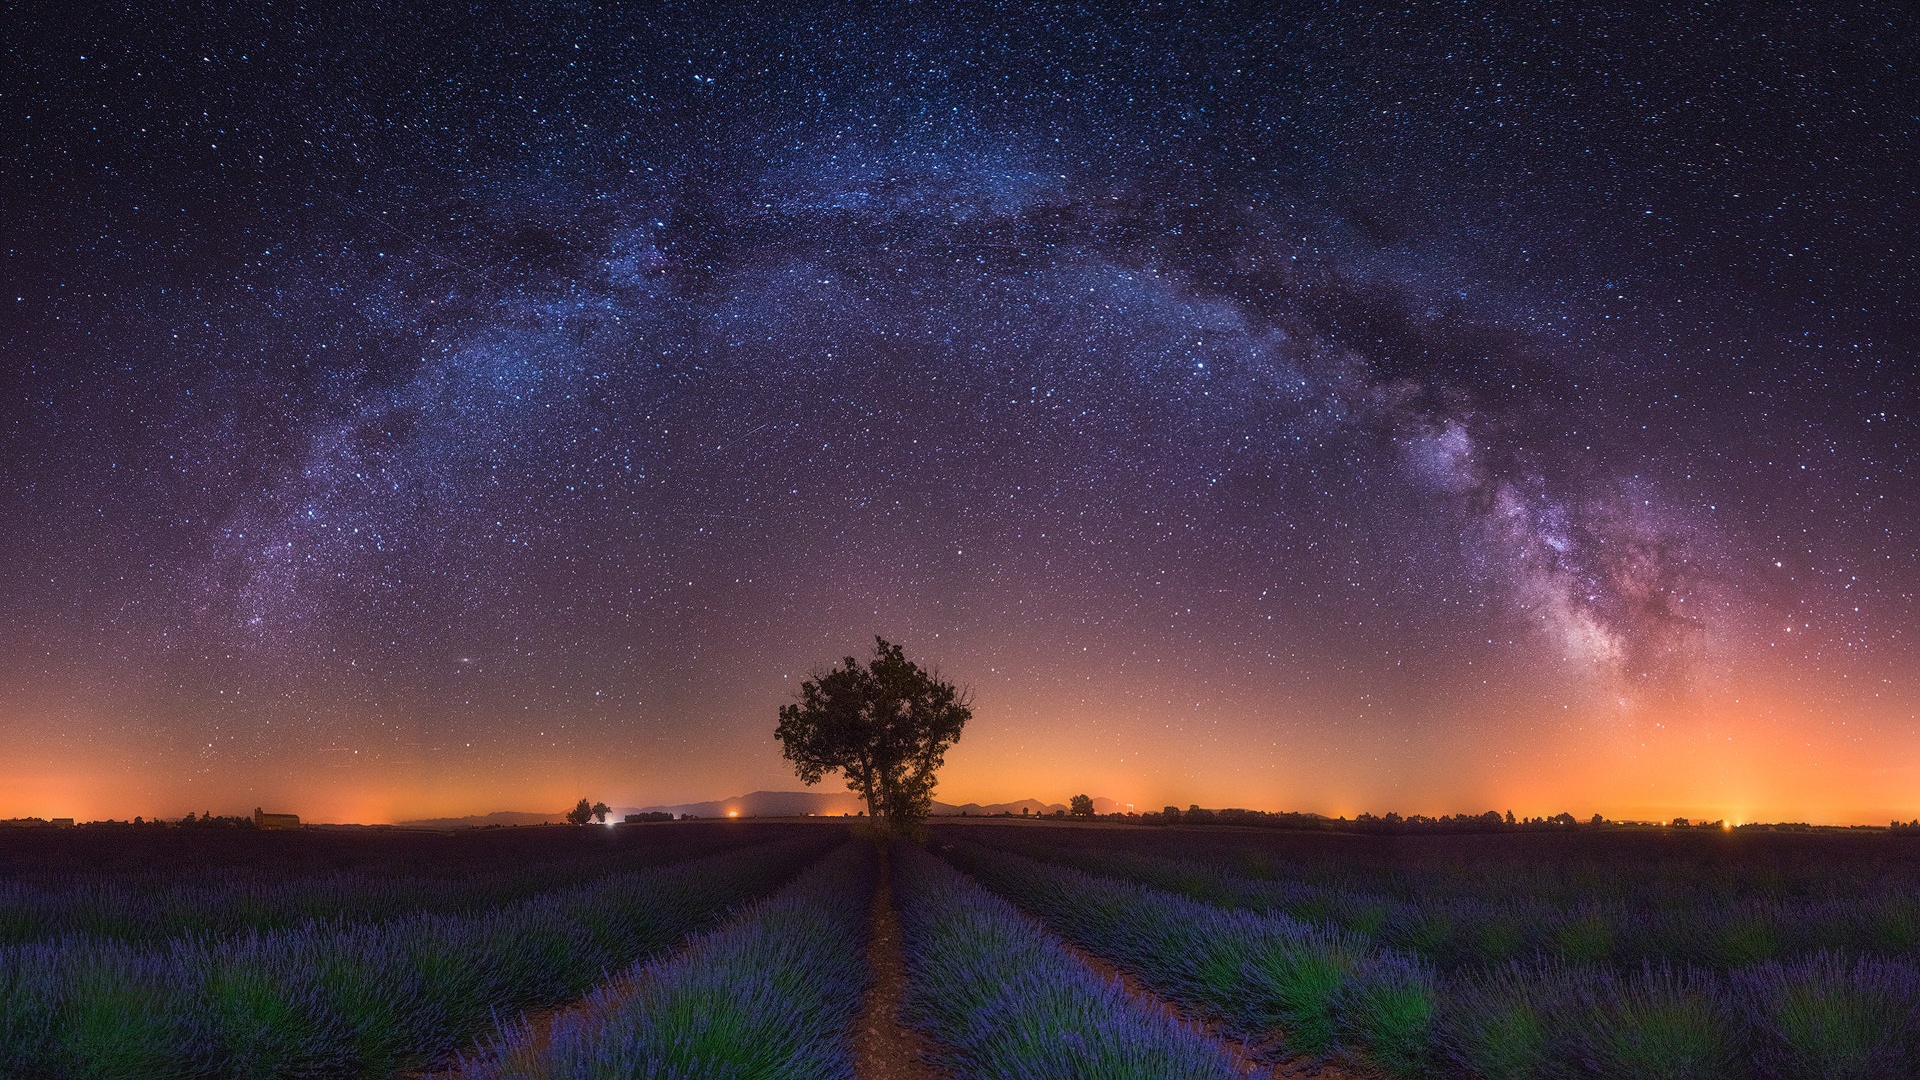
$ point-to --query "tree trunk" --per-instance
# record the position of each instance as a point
(867, 789)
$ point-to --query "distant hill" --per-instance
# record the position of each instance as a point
(760, 804)
(498, 817)
(763, 804)
(835, 803)
(1032, 806)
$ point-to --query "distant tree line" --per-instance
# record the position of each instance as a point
(209, 821)
(585, 811)
(1491, 821)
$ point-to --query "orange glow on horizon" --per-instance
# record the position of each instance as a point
(1739, 758)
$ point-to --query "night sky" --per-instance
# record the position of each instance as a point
(1331, 407)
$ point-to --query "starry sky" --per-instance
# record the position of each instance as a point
(433, 409)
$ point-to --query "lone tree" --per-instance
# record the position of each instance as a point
(585, 811)
(1080, 806)
(886, 726)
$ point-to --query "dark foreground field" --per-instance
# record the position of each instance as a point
(1025, 952)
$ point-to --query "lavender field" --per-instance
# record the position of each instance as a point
(1018, 951)
(1593, 953)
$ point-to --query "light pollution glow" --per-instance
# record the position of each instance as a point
(1757, 756)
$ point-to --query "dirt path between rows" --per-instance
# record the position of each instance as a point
(884, 1046)
(1256, 1059)
(535, 1027)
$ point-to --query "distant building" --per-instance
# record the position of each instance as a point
(275, 821)
(63, 823)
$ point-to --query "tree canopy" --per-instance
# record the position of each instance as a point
(585, 811)
(885, 725)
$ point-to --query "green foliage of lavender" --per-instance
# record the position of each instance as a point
(1708, 911)
(1543, 1018)
(335, 998)
(452, 875)
(769, 997)
(1258, 973)
(990, 983)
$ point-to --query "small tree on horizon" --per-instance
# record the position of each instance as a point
(581, 813)
(1080, 806)
(885, 726)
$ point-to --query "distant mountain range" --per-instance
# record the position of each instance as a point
(475, 821)
(760, 804)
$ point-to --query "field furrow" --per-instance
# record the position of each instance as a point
(1012, 1004)
(1260, 976)
(345, 999)
(391, 876)
(1329, 992)
(885, 1046)
(770, 996)
(1712, 920)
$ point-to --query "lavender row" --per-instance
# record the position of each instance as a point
(1326, 991)
(159, 905)
(354, 999)
(1821, 1017)
(1324, 988)
(1632, 866)
(771, 995)
(992, 984)
(1455, 931)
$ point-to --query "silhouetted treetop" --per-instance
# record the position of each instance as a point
(885, 725)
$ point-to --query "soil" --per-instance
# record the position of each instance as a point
(884, 1046)
(887, 1048)
(540, 1024)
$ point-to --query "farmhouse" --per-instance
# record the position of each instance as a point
(275, 821)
